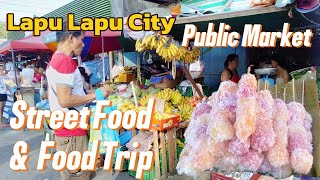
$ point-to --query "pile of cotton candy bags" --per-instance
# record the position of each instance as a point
(241, 129)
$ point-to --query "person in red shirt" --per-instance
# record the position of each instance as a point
(65, 90)
(230, 69)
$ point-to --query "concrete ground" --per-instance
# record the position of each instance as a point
(9, 137)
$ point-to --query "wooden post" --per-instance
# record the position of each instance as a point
(121, 57)
(186, 72)
(164, 155)
(110, 65)
(156, 154)
(172, 166)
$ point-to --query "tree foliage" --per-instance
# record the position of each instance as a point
(3, 30)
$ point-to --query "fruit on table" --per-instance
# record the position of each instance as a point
(164, 94)
(160, 116)
(144, 100)
(176, 97)
(185, 111)
(194, 101)
(127, 106)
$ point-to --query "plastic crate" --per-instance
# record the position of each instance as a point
(189, 93)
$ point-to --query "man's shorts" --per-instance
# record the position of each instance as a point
(69, 144)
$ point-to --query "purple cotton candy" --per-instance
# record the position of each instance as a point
(251, 161)
(297, 138)
(265, 104)
(202, 108)
(264, 137)
(238, 148)
(298, 114)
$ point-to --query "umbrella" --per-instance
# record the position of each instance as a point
(92, 44)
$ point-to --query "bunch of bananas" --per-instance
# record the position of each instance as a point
(176, 97)
(179, 143)
(164, 94)
(181, 53)
(185, 100)
(127, 106)
(185, 112)
(144, 100)
(168, 108)
(156, 40)
(167, 51)
(150, 42)
(161, 116)
(192, 55)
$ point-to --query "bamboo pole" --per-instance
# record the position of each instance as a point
(120, 52)
(110, 65)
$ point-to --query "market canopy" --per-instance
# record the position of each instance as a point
(93, 44)
(31, 43)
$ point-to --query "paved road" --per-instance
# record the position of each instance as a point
(9, 137)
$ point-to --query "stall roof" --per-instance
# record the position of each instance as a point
(30, 43)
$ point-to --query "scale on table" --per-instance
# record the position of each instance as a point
(265, 73)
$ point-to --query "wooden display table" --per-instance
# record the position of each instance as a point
(159, 146)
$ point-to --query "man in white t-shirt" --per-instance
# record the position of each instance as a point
(65, 89)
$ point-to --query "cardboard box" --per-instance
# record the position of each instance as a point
(165, 124)
(125, 77)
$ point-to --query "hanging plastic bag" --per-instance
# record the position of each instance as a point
(105, 134)
(196, 69)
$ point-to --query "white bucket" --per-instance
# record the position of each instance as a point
(28, 75)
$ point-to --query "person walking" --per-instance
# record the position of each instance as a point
(66, 92)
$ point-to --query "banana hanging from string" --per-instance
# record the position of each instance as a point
(167, 51)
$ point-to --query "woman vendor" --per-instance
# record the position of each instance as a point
(283, 76)
(230, 70)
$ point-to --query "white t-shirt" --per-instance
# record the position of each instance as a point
(63, 70)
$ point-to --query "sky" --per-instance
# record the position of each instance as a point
(28, 8)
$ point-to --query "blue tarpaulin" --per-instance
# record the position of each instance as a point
(96, 69)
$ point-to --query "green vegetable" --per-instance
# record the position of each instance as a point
(111, 97)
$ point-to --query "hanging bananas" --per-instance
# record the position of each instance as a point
(150, 42)
(188, 56)
(167, 51)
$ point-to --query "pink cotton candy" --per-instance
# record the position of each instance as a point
(227, 94)
(221, 149)
(203, 160)
(265, 104)
(245, 124)
(301, 161)
(308, 122)
(298, 114)
(281, 116)
(264, 137)
(265, 167)
(297, 138)
(220, 129)
(282, 172)
(238, 148)
(278, 156)
(247, 86)
(202, 108)
(228, 162)
(251, 161)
